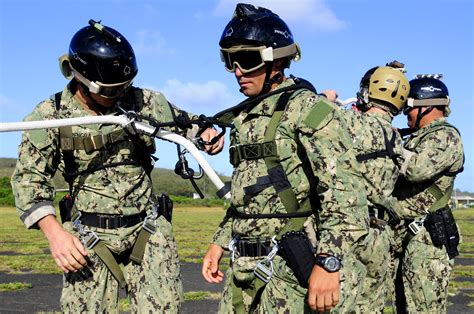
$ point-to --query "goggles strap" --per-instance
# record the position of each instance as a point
(285, 51)
(430, 102)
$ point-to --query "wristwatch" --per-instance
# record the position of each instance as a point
(329, 263)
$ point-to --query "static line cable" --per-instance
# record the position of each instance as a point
(348, 101)
(123, 121)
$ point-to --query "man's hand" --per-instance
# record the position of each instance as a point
(210, 264)
(67, 250)
(323, 291)
(207, 136)
(331, 94)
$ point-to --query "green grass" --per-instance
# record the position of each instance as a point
(24, 250)
(12, 286)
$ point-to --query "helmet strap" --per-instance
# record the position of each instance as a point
(421, 114)
(267, 85)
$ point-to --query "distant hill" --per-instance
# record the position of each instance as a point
(164, 180)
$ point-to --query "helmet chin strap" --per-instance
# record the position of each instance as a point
(269, 81)
(421, 114)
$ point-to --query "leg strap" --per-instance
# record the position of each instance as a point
(109, 260)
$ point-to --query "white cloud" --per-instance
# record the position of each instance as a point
(208, 98)
(315, 14)
(151, 43)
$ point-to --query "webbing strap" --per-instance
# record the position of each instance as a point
(442, 199)
(139, 246)
(254, 290)
(285, 191)
(91, 143)
(109, 260)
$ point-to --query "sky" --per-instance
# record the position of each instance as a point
(176, 46)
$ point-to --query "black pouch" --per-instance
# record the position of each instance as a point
(165, 207)
(434, 224)
(452, 233)
(298, 253)
(65, 208)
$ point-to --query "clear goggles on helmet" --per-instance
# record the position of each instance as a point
(250, 58)
(108, 91)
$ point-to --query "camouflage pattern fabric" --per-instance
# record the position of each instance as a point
(154, 286)
(425, 268)
(305, 151)
(120, 190)
(370, 131)
(283, 294)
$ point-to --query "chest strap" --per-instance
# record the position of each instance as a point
(91, 143)
(251, 151)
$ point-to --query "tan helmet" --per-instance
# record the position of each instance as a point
(390, 86)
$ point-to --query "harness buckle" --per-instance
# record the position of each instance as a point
(415, 226)
(149, 224)
(90, 239)
(262, 271)
(233, 247)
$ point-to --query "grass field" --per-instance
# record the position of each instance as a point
(24, 250)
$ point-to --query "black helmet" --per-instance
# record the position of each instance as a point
(261, 27)
(428, 88)
(99, 56)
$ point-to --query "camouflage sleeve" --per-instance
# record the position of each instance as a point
(343, 216)
(437, 152)
(37, 162)
(223, 234)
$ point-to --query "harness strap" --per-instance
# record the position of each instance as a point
(140, 245)
(389, 146)
(442, 198)
(251, 151)
(254, 290)
(92, 143)
(109, 260)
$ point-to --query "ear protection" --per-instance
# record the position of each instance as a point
(65, 67)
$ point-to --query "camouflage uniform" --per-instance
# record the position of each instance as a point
(371, 131)
(425, 268)
(323, 150)
(153, 285)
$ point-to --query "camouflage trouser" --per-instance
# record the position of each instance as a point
(283, 294)
(376, 254)
(153, 286)
(425, 271)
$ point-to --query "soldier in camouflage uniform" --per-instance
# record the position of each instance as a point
(383, 92)
(434, 155)
(108, 172)
(286, 142)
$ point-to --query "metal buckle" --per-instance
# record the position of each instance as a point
(149, 224)
(90, 239)
(262, 271)
(233, 247)
(415, 227)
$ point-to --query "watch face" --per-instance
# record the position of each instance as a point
(332, 264)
